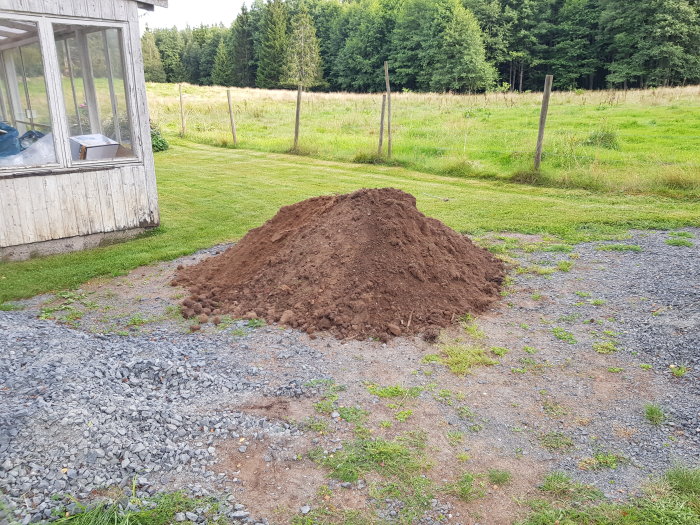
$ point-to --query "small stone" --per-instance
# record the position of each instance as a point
(191, 516)
(180, 516)
(305, 509)
(393, 329)
(240, 514)
(242, 449)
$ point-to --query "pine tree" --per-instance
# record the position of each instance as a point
(152, 63)
(221, 72)
(241, 50)
(170, 44)
(273, 45)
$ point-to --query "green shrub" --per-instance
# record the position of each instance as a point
(158, 142)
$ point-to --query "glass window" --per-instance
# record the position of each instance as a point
(94, 90)
(25, 119)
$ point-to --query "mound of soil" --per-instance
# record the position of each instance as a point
(364, 264)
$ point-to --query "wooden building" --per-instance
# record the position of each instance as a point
(76, 166)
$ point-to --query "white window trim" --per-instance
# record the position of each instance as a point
(56, 102)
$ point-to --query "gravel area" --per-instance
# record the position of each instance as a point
(91, 406)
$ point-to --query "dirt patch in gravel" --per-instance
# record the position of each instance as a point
(364, 264)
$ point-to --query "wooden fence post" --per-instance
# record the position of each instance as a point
(388, 108)
(381, 127)
(296, 122)
(182, 114)
(543, 119)
(233, 121)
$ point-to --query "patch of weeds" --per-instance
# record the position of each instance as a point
(9, 307)
(598, 302)
(467, 413)
(654, 414)
(500, 351)
(619, 248)
(359, 457)
(352, 414)
(605, 347)
(325, 406)
(403, 415)
(601, 460)
(556, 441)
(444, 396)
(562, 486)
(535, 270)
(455, 438)
(562, 248)
(554, 409)
(316, 424)
(645, 366)
(524, 326)
(385, 424)
(330, 514)
(499, 477)
(137, 320)
(678, 371)
(530, 350)
(415, 439)
(582, 294)
(255, 323)
(536, 296)
(463, 457)
(663, 504)
(471, 328)
(393, 391)
(238, 332)
(362, 432)
(431, 358)
(563, 335)
(162, 513)
(466, 488)
(569, 318)
(685, 481)
(461, 358)
(679, 242)
(565, 266)
(686, 235)
(615, 369)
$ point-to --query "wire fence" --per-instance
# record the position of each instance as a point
(644, 141)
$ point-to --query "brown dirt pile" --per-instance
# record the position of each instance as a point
(364, 264)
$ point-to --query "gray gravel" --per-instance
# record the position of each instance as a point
(79, 411)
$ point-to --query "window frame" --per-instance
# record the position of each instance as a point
(57, 104)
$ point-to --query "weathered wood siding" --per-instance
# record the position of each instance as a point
(36, 206)
(47, 207)
(98, 9)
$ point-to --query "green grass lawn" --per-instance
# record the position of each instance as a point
(210, 195)
(606, 141)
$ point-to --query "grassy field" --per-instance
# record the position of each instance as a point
(210, 195)
(607, 141)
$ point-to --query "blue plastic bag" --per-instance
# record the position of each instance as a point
(9, 141)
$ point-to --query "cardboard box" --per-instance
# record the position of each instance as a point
(93, 147)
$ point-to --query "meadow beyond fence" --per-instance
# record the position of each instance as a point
(641, 141)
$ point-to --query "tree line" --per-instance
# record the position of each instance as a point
(438, 45)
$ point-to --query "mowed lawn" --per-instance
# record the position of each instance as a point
(210, 195)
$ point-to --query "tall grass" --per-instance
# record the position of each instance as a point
(610, 141)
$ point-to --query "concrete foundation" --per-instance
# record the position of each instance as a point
(71, 244)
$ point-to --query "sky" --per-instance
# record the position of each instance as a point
(182, 13)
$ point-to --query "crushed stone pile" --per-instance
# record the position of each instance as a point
(363, 264)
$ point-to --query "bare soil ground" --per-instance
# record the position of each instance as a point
(575, 361)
